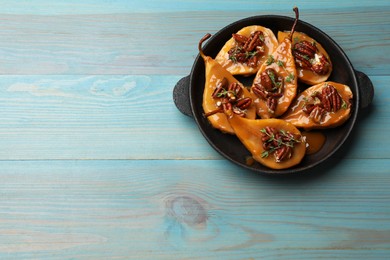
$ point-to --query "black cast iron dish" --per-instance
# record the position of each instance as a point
(188, 93)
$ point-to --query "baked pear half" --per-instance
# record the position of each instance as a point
(274, 143)
(220, 89)
(325, 105)
(244, 53)
(312, 61)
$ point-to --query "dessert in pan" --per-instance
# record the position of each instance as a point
(285, 101)
(276, 143)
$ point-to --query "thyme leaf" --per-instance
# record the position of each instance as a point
(250, 54)
(280, 63)
(290, 78)
(270, 60)
(261, 37)
(344, 105)
(224, 93)
(233, 58)
(264, 154)
(275, 83)
(285, 138)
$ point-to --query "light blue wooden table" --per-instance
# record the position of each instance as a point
(96, 162)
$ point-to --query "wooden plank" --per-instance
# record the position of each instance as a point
(76, 117)
(125, 43)
(128, 117)
(191, 209)
(122, 6)
(97, 163)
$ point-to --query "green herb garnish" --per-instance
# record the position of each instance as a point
(281, 137)
(344, 105)
(270, 60)
(290, 78)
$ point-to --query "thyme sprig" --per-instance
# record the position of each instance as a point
(270, 60)
(278, 140)
(275, 83)
(281, 64)
(225, 93)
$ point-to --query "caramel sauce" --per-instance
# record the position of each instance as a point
(237, 68)
(214, 73)
(305, 75)
(249, 133)
(299, 118)
(249, 160)
(314, 141)
(281, 54)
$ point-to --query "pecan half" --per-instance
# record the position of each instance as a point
(275, 94)
(306, 48)
(253, 61)
(266, 81)
(268, 133)
(307, 56)
(221, 86)
(321, 102)
(244, 103)
(331, 99)
(272, 104)
(235, 88)
(317, 114)
(253, 41)
(283, 153)
(247, 49)
(227, 106)
(269, 88)
(308, 108)
(260, 91)
(322, 66)
(302, 61)
(240, 38)
(278, 142)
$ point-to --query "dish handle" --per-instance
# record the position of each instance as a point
(181, 96)
(366, 89)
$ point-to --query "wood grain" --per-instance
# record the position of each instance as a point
(96, 162)
(85, 209)
(41, 7)
(83, 117)
(123, 43)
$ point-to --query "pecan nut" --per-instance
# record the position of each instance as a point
(219, 89)
(302, 61)
(269, 88)
(322, 102)
(331, 99)
(272, 103)
(283, 153)
(307, 56)
(322, 66)
(278, 142)
(317, 114)
(240, 38)
(253, 41)
(244, 103)
(260, 91)
(247, 49)
(266, 81)
(252, 62)
(234, 88)
(306, 48)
